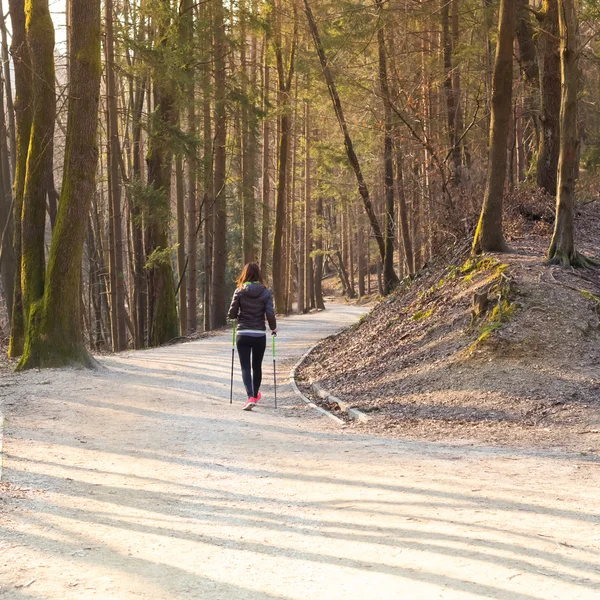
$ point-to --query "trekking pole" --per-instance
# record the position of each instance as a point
(232, 359)
(273, 336)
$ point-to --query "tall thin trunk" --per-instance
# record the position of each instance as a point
(319, 303)
(550, 98)
(55, 336)
(489, 236)
(285, 77)
(389, 275)
(181, 258)
(562, 247)
(208, 158)
(266, 181)
(137, 233)
(528, 120)
(449, 91)
(117, 275)
(218, 307)
(192, 197)
(7, 256)
(162, 306)
(23, 118)
(10, 109)
(308, 225)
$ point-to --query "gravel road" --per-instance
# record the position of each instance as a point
(141, 481)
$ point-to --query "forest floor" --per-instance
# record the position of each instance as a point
(520, 369)
(141, 481)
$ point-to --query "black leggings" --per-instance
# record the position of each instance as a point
(249, 345)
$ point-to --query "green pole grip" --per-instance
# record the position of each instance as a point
(273, 344)
(233, 333)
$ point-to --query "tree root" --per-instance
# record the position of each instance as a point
(575, 260)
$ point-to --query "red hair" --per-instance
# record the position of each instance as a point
(251, 272)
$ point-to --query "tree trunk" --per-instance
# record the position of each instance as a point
(7, 256)
(219, 307)
(266, 182)
(182, 264)
(208, 158)
(449, 92)
(489, 236)
(40, 37)
(308, 225)
(319, 303)
(23, 117)
(54, 336)
(531, 89)
(550, 98)
(137, 233)
(192, 197)
(162, 306)
(285, 122)
(10, 109)
(117, 275)
(389, 275)
(562, 247)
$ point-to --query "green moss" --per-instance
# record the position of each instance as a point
(423, 314)
(500, 314)
(589, 296)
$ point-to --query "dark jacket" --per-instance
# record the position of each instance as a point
(250, 304)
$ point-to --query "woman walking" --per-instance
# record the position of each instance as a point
(252, 302)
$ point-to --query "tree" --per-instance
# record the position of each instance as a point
(562, 247)
(285, 75)
(218, 300)
(54, 336)
(549, 147)
(162, 307)
(117, 277)
(40, 38)
(489, 236)
(23, 119)
(389, 276)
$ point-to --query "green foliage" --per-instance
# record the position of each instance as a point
(152, 203)
(160, 256)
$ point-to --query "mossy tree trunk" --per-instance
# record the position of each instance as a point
(162, 306)
(549, 149)
(562, 247)
(489, 236)
(54, 335)
(23, 116)
(40, 37)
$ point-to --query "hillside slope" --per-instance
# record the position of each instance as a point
(501, 349)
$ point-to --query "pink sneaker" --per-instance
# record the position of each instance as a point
(250, 404)
(258, 397)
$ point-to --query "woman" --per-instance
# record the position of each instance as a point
(252, 301)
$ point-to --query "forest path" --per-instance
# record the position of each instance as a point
(140, 481)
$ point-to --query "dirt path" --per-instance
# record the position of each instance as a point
(142, 482)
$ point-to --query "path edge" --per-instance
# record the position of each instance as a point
(302, 396)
